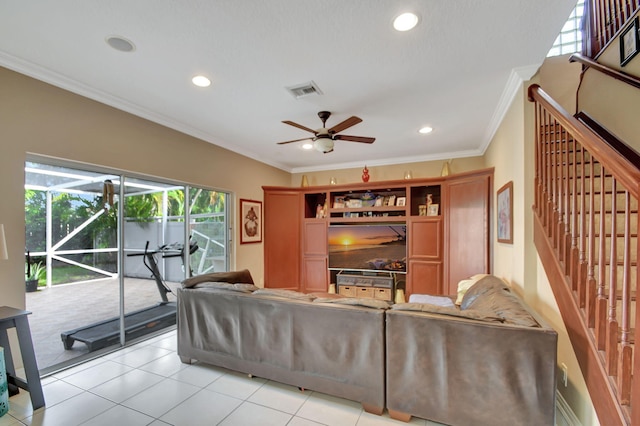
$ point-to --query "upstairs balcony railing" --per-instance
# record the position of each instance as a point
(603, 20)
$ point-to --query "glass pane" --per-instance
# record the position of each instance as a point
(71, 229)
(153, 261)
(208, 230)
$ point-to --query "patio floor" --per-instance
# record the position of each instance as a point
(70, 306)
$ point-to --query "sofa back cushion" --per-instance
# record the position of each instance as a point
(233, 277)
(493, 296)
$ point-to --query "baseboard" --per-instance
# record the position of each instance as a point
(564, 414)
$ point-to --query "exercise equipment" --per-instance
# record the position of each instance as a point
(140, 322)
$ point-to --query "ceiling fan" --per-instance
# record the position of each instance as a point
(323, 138)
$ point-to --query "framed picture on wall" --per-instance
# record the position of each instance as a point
(251, 220)
(505, 213)
(629, 43)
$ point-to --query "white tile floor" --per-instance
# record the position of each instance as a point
(146, 384)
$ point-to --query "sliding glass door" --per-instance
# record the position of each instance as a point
(114, 249)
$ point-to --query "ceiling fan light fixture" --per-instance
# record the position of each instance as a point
(425, 130)
(324, 145)
(201, 81)
(307, 145)
(405, 21)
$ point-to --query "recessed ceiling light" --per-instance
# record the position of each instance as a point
(425, 130)
(120, 43)
(201, 81)
(405, 22)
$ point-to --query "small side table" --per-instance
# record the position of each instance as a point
(16, 318)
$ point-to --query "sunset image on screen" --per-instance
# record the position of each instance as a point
(367, 247)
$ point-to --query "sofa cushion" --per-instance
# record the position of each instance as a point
(243, 276)
(465, 285)
(443, 310)
(431, 300)
(355, 301)
(244, 288)
(287, 294)
(480, 287)
(493, 296)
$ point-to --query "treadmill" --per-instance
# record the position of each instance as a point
(137, 323)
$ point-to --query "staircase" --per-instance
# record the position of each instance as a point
(586, 234)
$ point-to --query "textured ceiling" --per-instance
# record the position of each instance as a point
(456, 71)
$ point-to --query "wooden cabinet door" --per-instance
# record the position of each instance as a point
(425, 277)
(282, 252)
(425, 245)
(315, 272)
(467, 216)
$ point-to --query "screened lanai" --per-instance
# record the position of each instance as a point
(104, 260)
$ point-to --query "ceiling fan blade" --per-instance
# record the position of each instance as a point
(299, 126)
(362, 139)
(351, 121)
(295, 140)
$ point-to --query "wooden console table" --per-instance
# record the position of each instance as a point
(16, 318)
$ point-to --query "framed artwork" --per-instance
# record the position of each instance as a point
(422, 210)
(251, 220)
(401, 201)
(505, 213)
(629, 43)
(432, 209)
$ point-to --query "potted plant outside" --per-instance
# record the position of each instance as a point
(33, 273)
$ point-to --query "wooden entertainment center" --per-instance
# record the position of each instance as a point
(449, 243)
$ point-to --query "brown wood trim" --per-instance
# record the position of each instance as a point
(611, 72)
(384, 183)
(600, 388)
(621, 168)
(625, 150)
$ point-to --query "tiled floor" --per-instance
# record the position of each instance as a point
(146, 384)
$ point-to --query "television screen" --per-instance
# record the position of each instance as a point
(378, 247)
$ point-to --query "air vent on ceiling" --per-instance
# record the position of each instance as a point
(305, 89)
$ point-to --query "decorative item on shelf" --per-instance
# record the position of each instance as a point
(332, 288)
(392, 200)
(422, 210)
(408, 175)
(333, 181)
(432, 210)
(399, 296)
(365, 174)
(379, 201)
(305, 181)
(338, 203)
(368, 199)
(319, 211)
(401, 201)
(445, 168)
(429, 200)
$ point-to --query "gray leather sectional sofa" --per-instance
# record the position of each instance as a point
(488, 362)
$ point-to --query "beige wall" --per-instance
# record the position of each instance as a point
(612, 103)
(41, 119)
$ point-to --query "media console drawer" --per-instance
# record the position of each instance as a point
(379, 286)
(365, 280)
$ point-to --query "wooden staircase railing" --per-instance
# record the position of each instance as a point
(586, 233)
(603, 19)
